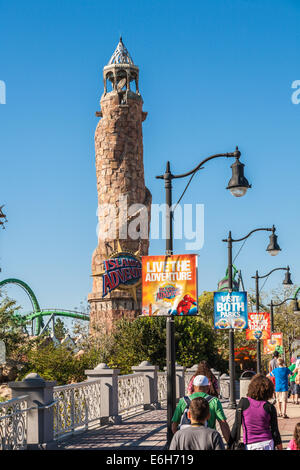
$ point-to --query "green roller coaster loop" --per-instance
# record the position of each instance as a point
(39, 313)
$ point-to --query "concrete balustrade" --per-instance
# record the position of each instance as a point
(39, 392)
(106, 397)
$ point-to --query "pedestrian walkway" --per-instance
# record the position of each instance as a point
(147, 431)
(287, 426)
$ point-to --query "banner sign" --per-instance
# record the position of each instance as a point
(122, 271)
(259, 326)
(230, 310)
(272, 344)
(169, 285)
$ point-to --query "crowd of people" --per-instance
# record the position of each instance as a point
(195, 417)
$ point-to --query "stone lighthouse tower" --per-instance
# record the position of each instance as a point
(123, 200)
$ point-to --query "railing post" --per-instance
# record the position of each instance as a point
(180, 382)
(40, 432)
(109, 400)
(150, 384)
(217, 374)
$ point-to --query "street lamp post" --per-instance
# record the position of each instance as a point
(273, 248)
(286, 282)
(238, 186)
(296, 311)
(296, 307)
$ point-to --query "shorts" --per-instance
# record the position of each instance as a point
(282, 396)
(264, 445)
(295, 388)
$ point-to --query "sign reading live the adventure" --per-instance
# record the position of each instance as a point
(169, 285)
(259, 326)
(272, 344)
(230, 310)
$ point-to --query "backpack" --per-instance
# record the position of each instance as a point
(185, 421)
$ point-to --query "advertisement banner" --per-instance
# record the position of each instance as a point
(259, 326)
(230, 310)
(272, 344)
(169, 285)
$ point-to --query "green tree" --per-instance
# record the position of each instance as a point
(11, 327)
(60, 330)
(145, 339)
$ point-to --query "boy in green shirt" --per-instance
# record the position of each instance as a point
(201, 386)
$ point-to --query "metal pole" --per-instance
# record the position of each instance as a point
(170, 326)
(232, 402)
(53, 324)
(258, 353)
(272, 316)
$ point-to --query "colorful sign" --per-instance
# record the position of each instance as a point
(230, 310)
(123, 270)
(259, 326)
(273, 344)
(169, 285)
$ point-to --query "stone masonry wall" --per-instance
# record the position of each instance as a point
(119, 171)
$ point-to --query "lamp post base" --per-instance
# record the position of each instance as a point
(232, 405)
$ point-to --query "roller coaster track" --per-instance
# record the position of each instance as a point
(39, 313)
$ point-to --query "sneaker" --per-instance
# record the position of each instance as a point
(285, 416)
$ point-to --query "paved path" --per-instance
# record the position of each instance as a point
(147, 431)
(287, 426)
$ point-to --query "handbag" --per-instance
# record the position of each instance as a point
(238, 444)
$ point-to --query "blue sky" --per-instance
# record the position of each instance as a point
(213, 75)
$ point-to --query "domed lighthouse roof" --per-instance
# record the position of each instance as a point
(121, 55)
(121, 71)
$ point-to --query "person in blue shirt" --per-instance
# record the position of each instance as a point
(281, 374)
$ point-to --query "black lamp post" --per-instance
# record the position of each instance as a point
(286, 282)
(296, 307)
(273, 248)
(238, 186)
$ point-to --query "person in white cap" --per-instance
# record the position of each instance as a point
(201, 386)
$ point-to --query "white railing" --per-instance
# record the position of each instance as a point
(131, 393)
(13, 424)
(78, 406)
(162, 387)
(104, 398)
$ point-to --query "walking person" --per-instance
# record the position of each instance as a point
(201, 387)
(204, 369)
(294, 443)
(293, 386)
(259, 418)
(281, 374)
(273, 362)
(197, 436)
